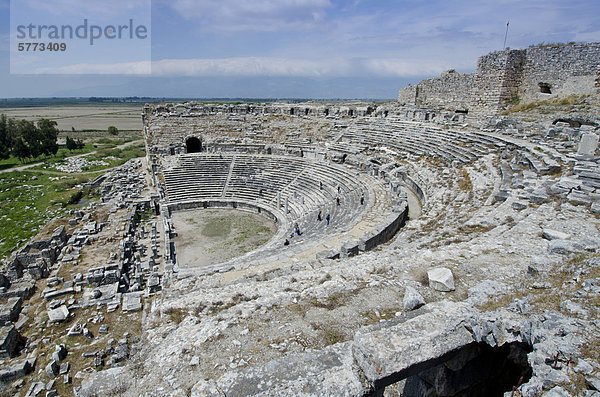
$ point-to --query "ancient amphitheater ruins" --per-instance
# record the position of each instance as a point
(448, 247)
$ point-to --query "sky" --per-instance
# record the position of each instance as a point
(322, 49)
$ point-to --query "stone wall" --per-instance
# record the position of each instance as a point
(496, 81)
(408, 95)
(569, 69)
(510, 76)
(449, 90)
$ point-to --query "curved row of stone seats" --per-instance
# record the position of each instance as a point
(539, 162)
(588, 172)
(420, 139)
(301, 184)
(197, 177)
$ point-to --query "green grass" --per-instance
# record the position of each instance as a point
(63, 152)
(106, 152)
(28, 200)
(217, 227)
(116, 157)
(97, 144)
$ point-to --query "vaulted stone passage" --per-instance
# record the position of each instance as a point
(193, 145)
(477, 369)
(545, 88)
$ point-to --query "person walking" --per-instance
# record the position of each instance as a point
(328, 218)
(362, 199)
(337, 200)
(319, 217)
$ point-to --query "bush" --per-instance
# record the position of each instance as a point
(112, 130)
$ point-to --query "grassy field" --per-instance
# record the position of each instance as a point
(31, 198)
(28, 200)
(92, 144)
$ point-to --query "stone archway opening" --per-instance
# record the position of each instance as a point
(193, 145)
(545, 88)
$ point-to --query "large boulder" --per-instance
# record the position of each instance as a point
(441, 279)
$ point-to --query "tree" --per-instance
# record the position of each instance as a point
(48, 136)
(28, 142)
(73, 144)
(20, 148)
(112, 130)
(4, 137)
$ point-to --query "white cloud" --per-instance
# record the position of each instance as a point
(261, 67)
(405, 68)
(329, 67)
(228, 16)
(250, 66)
(104, 8)
(127, 68)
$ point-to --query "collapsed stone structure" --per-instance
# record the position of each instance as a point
(509, 76)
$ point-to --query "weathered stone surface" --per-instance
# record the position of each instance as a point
(132, 302)
(60, 353)
(9, 337)
(58, 314)
(486, 290)
(9, 311)
(412, 299)
(329, 372)
(557, 391)
(441, 279)
(397, 348)
(550, 234)
(206, 388)
(112, 380)
(561, 247)
(52, 369)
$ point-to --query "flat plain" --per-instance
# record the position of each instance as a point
(96, 117)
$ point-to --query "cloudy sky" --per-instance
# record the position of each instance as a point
(294, 48)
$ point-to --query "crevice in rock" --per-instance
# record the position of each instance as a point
(477, 369)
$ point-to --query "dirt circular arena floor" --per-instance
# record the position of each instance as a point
(208, 236)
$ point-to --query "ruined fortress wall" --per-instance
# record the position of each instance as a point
(408, 95)
(496, 82)
(566, 69)
(505, 77)
(449, 90)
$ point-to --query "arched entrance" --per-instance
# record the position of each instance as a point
(193, 145)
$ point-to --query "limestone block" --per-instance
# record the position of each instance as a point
(132, 302)
(550, 234)
(328, 372)
(58, 314)
(441, 279)
(588, 145)
(561, 247)
(412, 299)
(52, 369)
(398, 348)
(9, 336)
